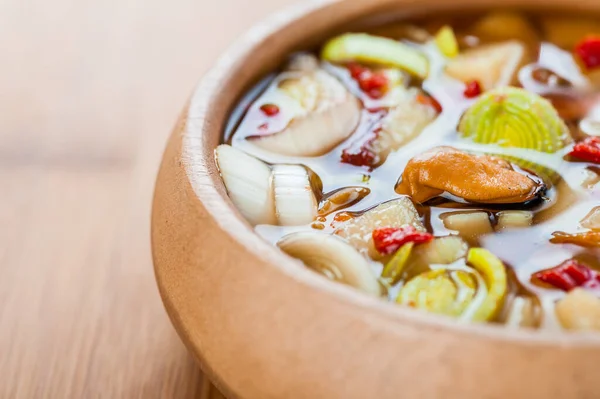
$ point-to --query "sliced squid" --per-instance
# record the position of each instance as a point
(333, 258)
(248, 182)
(493, 65)
(396, 213)
(295, 201)
(326, 113)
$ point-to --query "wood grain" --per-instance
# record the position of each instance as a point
(89, 92)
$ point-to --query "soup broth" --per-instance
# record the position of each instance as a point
(450, 165)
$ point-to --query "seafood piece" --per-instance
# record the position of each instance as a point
(474, 178)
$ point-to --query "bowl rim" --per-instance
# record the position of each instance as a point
(206, 187)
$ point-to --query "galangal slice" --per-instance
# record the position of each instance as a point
(493, 65)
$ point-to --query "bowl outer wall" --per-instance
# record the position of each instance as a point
(263, 327)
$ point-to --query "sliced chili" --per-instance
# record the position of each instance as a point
(568, 275)
(388, 240)
(363, 157)
(588, 51)
(373, 84)
(587, 150)
(269, 109)
(472, 89)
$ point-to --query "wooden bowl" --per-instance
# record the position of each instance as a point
(262, 327)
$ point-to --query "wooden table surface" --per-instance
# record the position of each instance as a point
(88, 93)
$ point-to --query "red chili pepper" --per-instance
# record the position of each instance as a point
(373, 84)
(587, 150)
(370, 82)
(472, 89)
(568, 275)
(588, 51)
(269, 109)
(362, 153)
(355, 69)
(364, 157)
(387, 240)
(428, 100)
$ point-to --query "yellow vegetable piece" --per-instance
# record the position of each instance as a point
(439, 291)
(393, 269)
(376, 50)
(446, 41)
(493, 272)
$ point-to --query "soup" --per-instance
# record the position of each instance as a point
(451, 166)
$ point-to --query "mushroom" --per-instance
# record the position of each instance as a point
(474, 178)
(333, 258)
(324, 111)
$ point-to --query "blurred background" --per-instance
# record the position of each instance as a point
(89, 91)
